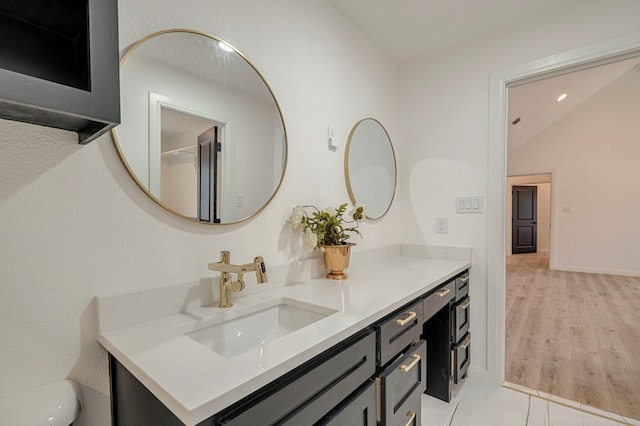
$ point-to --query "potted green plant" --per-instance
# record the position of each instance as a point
(329, 230)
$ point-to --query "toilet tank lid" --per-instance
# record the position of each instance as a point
(53, 404)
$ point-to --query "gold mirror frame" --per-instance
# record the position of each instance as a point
(376, 209)
(284, 153)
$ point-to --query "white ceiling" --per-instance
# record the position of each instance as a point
(537, 106)
(407, 29)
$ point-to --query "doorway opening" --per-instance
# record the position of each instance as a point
(602, 53)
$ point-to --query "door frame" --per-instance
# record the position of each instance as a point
(599, 53)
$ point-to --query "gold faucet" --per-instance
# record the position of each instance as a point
(227, 285)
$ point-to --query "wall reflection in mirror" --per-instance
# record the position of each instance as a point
(370, 167)
(201, 131)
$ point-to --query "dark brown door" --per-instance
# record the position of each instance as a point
(208, 148)
(525, 219)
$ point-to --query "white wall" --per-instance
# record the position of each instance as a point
(444, 121)
(74, 224)
(594, 152)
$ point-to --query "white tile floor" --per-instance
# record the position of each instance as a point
(478, 403)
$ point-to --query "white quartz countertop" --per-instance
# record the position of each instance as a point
(195, 382)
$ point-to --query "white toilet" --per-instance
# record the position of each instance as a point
(54, 404)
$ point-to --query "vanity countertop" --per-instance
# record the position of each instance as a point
(195, 382)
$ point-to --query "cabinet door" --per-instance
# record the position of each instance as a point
(462, 286)
(308, 396)
(400, 384)
(358, 410)
(461, 354)
(460, 324)
(398, 331)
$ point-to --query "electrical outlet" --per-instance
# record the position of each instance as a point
(442, 225)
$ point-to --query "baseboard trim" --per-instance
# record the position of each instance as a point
(595, 270)
(478, 373)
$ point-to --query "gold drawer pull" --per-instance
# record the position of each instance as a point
(443, 292)
(466, 343)
(464, 279)
(412, 416)
(402, 322)
(406, 368)
(465, 305)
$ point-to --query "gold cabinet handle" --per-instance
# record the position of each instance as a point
(406, 368)
(443, 292)
(466, 343)
(412, 416)
(464, 279)
(465, 305)
(402, 322)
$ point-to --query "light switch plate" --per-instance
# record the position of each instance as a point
(469, 204)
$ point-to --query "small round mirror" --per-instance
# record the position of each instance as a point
(370, 167)
(201, 132)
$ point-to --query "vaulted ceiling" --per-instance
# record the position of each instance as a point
(409, 29)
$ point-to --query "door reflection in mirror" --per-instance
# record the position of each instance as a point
(184, 76)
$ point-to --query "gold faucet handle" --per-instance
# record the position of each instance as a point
(261, 270)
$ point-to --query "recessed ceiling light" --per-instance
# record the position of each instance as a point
(561, 97)
(224, 46)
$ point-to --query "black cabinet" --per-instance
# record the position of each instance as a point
(402, 366)
(357, 410)
(397, 331)
(310, 395)
(446, 330)
(59, 64)
(401, 385)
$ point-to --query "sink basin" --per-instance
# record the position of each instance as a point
(242, 329)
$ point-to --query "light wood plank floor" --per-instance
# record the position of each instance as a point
(574, 335)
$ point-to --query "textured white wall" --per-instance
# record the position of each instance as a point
(594, 152)
(444, 121)
(74, 225)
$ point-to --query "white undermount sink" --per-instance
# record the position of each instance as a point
(243, 328)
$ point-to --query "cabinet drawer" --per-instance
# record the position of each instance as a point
(462, 286)
(310, 396)
(461, 315)
(460, 358)
(438, 299)
(358, 410)
(398, 331)
(400, 384)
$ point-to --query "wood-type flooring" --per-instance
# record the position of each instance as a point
(574, 335)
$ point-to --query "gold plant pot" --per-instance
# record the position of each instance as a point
(336, 259)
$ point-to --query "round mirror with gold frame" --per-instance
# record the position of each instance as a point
(202, 133)
(370, 167)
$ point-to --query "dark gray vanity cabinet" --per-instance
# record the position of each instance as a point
(59, 64)
(401, 385)
(460, 337)
(359, 410)
(446, 330)
(375, 377)
(402, 365)
(311, 393)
